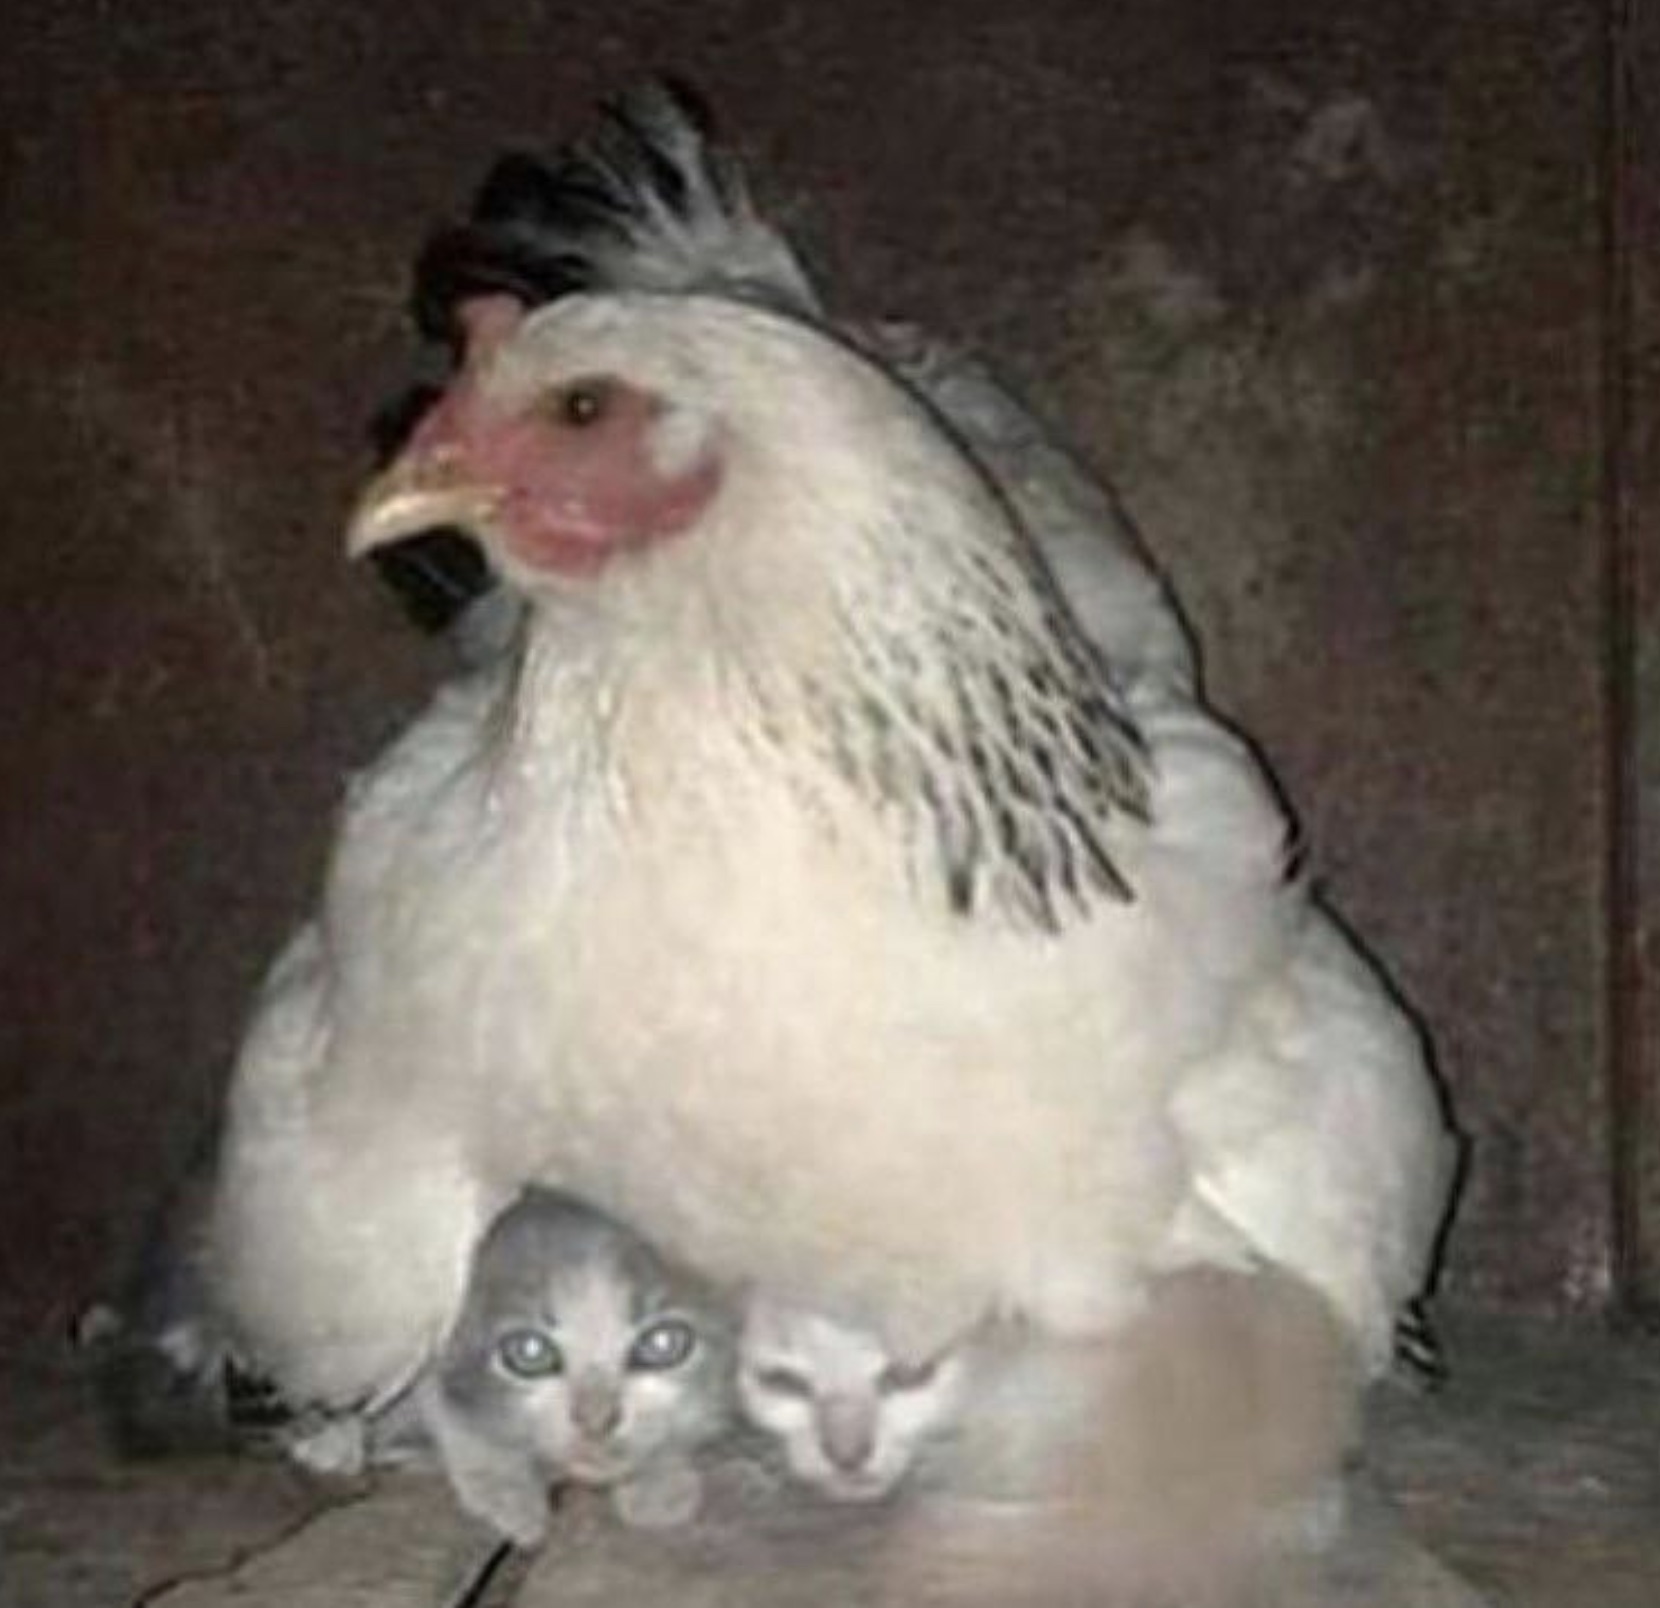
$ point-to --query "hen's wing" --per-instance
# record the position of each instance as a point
(342, 1214)
(1318, 1138)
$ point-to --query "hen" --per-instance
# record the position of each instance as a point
(836, 875)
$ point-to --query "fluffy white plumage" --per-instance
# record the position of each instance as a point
(849, 891)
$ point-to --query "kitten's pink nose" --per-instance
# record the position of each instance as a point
(596, 1406)
(847, 1432)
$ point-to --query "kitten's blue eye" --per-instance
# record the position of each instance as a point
(529, 1353)
(663, 1345)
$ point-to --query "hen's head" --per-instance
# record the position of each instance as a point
(580, 440)
(561, 442)
(732, 488)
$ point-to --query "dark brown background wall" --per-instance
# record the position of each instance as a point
(1325, 285)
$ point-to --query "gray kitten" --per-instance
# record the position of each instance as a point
(580, 1355)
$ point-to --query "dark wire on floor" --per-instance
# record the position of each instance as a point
(474, 1591)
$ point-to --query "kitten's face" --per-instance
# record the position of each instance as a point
(581, 1349)
(849, 1416)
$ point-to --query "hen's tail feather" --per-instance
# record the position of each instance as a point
(175, 1392)
(164, 1369)
(645, 201)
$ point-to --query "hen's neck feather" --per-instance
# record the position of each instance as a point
(861, 617)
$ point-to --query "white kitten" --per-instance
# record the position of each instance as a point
(579, 1356)
(850, 1418)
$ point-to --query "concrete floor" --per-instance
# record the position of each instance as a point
(1531, 1481)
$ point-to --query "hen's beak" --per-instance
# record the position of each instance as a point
(416, 494)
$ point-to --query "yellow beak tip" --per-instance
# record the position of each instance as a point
(393, 507)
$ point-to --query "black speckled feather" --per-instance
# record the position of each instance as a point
(1011, 778)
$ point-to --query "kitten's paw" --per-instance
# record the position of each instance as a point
(660, 1498)
(514, 1505)
(336, 1446)
(522, 1519)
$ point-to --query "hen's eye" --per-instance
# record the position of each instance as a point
(529, 1354)
(784, 1382)
(581, 403)
(663, 1345)
(899, 1376)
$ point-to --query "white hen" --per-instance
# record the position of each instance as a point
(838, 880)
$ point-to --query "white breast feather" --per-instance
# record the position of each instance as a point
(632, 936)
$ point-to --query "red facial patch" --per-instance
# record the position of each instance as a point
(577, 487)
(573, 470)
